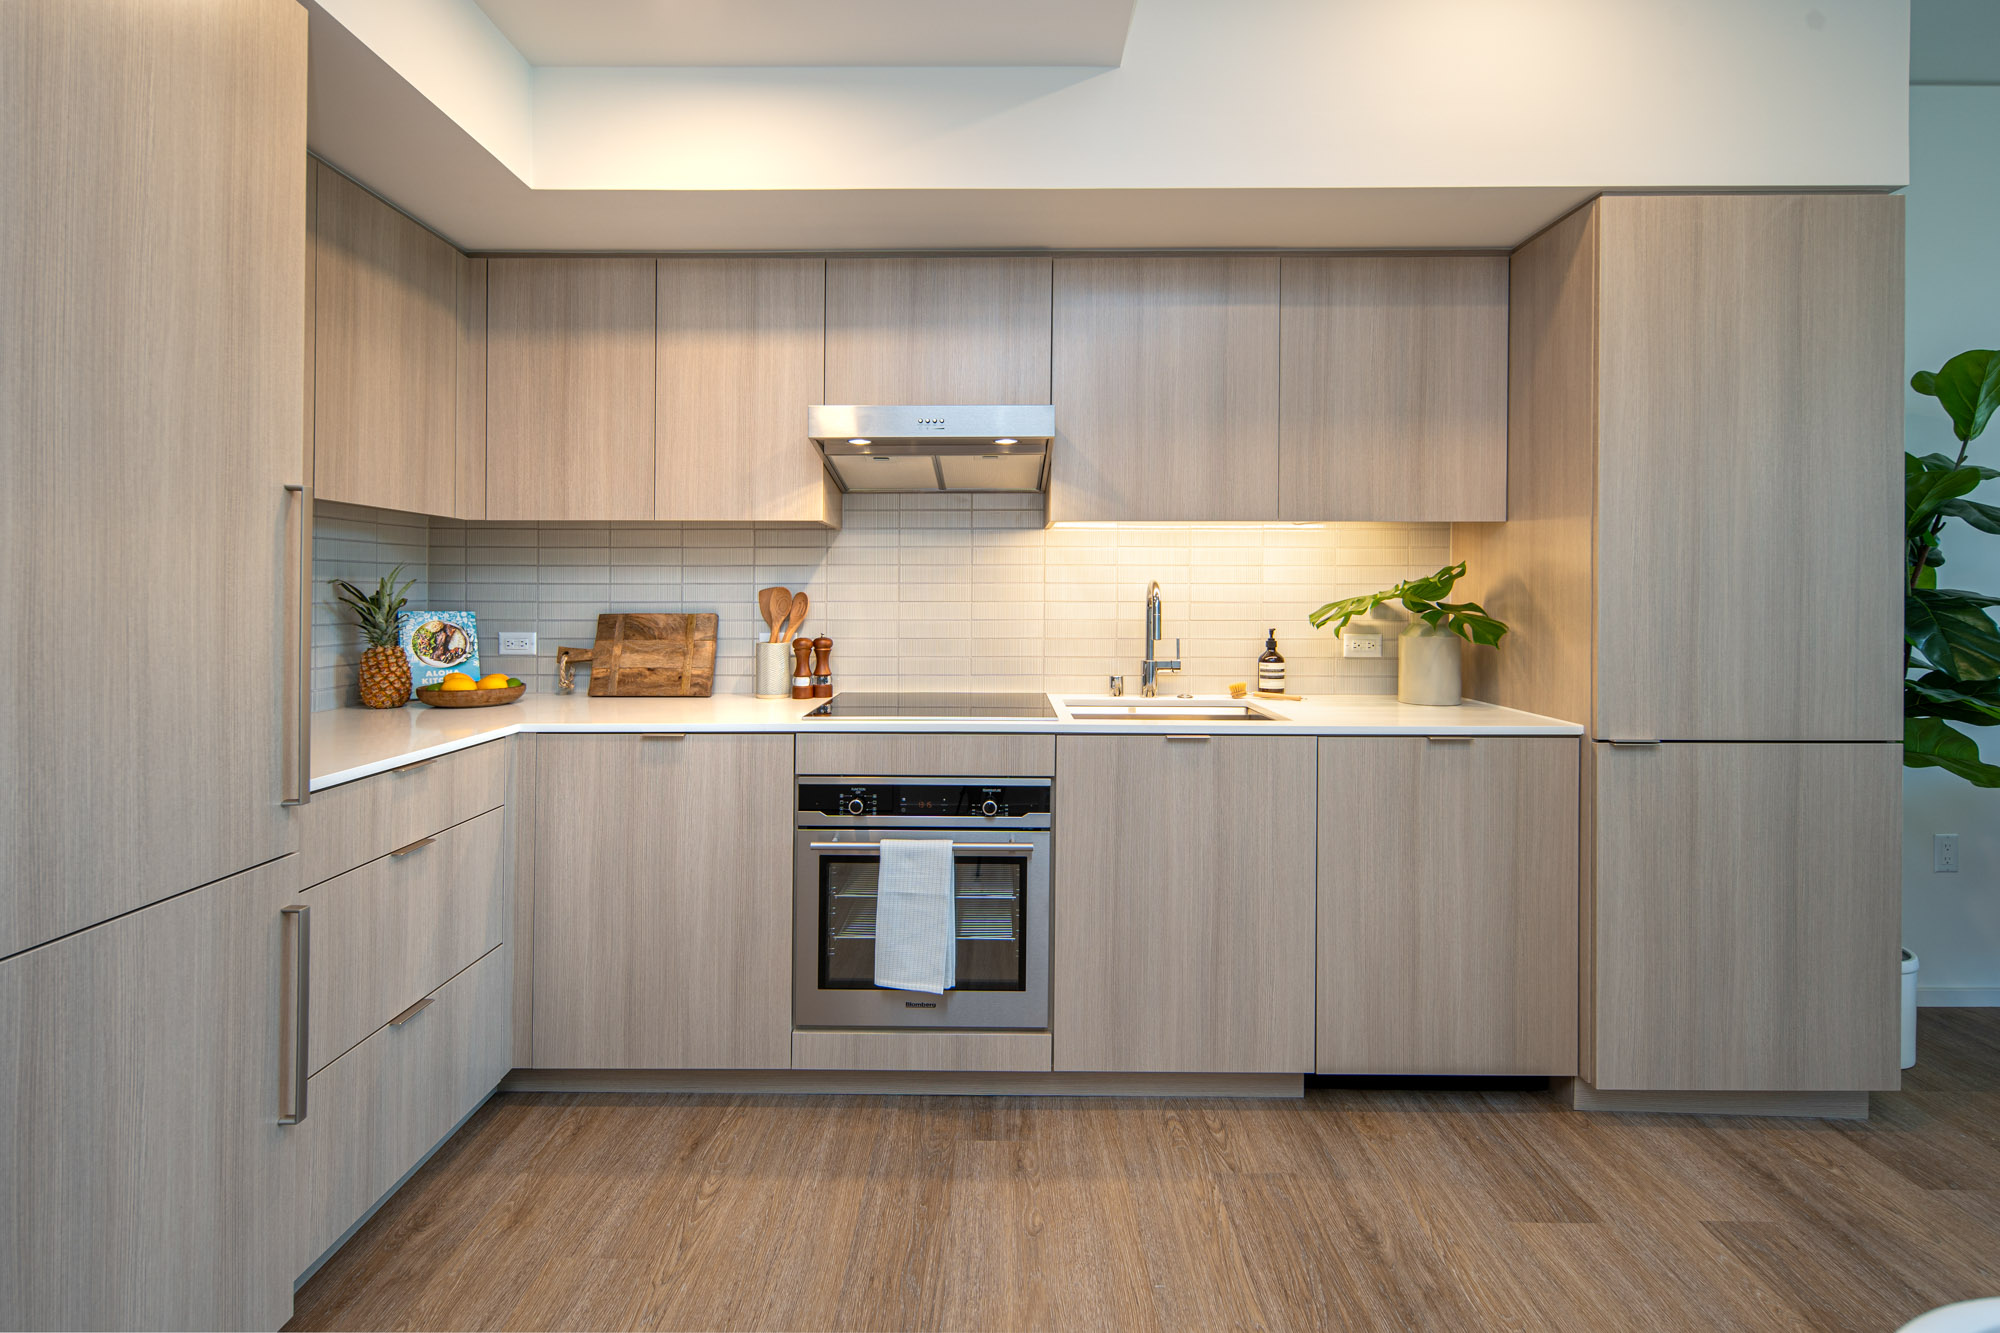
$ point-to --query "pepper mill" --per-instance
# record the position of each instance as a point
(823, 668)
(802, 681)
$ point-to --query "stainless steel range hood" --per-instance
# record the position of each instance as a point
(1003, 447)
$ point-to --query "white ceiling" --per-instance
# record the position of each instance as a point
(814, 32)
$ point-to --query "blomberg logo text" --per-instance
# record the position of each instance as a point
(920, 1004)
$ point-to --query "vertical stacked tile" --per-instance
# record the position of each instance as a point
(360, 545)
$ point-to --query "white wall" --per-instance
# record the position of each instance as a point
(1952, 922)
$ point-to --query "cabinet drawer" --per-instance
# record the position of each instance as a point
(352, 824)
(378, 1109)
(388, 933)
(944, 754)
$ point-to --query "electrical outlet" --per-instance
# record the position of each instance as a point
(514, 643)
(1944, 854)
(1360, 642)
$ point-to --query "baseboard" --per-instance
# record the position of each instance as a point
(1958, 997)
(1581, 1096)
(907, 1083)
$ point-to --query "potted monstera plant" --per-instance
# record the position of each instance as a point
(1951, 646)
(1427, 665)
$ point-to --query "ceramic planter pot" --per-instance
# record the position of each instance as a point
(1427, 666)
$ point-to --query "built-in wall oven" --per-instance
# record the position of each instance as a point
(1000, 859)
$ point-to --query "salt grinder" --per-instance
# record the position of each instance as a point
(822, 681)
(802, 681)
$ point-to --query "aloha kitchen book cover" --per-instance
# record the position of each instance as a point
(438, 643)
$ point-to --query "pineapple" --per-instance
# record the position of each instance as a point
(385, 672)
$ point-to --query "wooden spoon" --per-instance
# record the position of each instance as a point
(774, 602)
(797, 620)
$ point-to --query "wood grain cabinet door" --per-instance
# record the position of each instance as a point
(1746, 913)
(663, 902)
(1394, 388)
(1165, 385)
(742, 354)
(148, 1183)
(1183, 904)
(1447, 905)
(151, 415)
(385, 353)
(569, 388)
(1750, 404)
(937, 330)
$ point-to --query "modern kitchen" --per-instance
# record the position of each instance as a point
(905, 665)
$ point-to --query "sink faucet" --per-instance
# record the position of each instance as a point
(1150, 669)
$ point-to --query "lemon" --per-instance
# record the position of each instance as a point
(457, 680)
(497, 681)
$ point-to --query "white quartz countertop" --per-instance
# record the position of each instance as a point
(350, 743)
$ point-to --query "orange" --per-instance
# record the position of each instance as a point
(496, 681)
(457, 680)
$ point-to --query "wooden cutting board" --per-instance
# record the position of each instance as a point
(648, 655)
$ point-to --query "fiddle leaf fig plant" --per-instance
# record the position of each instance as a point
(1423, 598)
(1949, 638)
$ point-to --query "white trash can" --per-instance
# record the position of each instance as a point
(1909, 1008)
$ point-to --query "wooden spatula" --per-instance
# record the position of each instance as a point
(774, 603)
(797, 620)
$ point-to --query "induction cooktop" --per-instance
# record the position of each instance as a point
(905, 705)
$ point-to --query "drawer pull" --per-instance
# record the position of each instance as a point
(1449, 740)
(664, 736)
(1188, 739)
(1631, 745)
(416, 846)
(295, 997)
(411, 768)
(413, 1011)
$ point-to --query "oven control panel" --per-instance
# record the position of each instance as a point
(839, 799)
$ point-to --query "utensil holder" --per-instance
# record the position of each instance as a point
(773, 675)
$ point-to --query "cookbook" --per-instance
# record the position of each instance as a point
(438, 643)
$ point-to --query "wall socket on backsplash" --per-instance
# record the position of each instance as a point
(1360, 642)
(517, 643)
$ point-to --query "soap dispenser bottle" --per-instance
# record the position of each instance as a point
(1271, 667)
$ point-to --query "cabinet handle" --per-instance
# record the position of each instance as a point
(416, 846)
(1632, 745)
(664, 736)
(413, 1011)
(411, 768)
(1188, 739)
(298, 676)
(296, 1000)
(1449, 740)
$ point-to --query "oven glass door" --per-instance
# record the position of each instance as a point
(992, 907)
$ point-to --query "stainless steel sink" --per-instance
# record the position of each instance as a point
(1110, 709)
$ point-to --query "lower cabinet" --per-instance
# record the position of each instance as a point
(376, 1111)
(1183, 904)
(1744, 913)
(663, 902)
(147, 1179)
(1447, 905)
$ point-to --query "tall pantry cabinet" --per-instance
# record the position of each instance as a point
(1705, 392)
(152, 533)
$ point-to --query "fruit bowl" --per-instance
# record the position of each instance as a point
(438, 698)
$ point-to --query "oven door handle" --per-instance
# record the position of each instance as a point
(982, 848)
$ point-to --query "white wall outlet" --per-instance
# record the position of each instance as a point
(1360, 642)
(1944, 854)
(516, 643)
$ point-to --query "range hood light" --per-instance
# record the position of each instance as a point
(1008, 440)
(860, 441)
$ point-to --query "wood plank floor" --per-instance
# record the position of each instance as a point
(1347, 1209)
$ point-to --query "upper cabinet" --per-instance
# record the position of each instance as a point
(385, 354)
(1706, 396)
(937, 331)
(569, 391)
(742, 353)
(1165, 384)
(1393, 401)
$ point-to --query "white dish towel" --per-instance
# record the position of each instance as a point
(916, 916)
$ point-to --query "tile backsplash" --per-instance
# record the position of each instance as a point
(359, 545)
(917, 591)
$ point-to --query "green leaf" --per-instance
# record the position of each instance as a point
(1968, 388)
(1926, 490)
(1953, 632)
(1934, 694)
(1432, 588)
(1945, 463)
(1931, 743)
(1982, 516)
(1346, 609)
